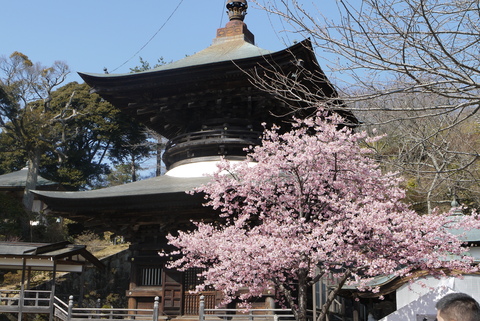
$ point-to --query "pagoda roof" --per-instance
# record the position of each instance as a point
(161, 97)
(235, 55)
(161, 184)
(221, 51)
(150, 195)
(161, 200)
(229, 50)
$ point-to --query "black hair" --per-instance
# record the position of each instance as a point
(458, 307)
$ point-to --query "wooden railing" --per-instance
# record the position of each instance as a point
(28, 301)
(31, 297)
(41, 302)
(60, 309)
(80, 314)
(241, 315)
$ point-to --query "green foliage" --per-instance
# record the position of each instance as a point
(13, 219)
(83, 144)
(67, 133)
(97, 133)
(25, 113)
(50, 231)
(12, 156)
(15, 223)
(40, 317)
(22, 57)
(114, 300)
(78, 153)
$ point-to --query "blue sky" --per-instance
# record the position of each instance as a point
(92, 34)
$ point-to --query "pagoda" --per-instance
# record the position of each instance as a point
(208, 108)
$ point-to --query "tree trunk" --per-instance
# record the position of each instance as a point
(160, 147)
(133, 168)
(32, 178)
(331, 296)
(301, 311)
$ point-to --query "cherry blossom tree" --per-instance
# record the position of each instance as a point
(308, 204)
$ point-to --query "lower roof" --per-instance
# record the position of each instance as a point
(124, 196)
(127, 209)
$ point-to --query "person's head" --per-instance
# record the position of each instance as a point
(458, 307)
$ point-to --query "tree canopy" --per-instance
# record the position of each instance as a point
(25, 110)
(83, 145)
(65, 133)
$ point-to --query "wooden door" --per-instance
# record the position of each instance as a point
(172, 299)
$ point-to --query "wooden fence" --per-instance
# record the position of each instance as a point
(42, 302)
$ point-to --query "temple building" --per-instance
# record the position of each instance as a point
(208, 108)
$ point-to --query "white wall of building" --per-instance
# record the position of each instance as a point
(417, 300)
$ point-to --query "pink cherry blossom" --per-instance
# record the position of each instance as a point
(315, 204)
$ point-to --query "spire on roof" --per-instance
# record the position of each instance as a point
(237, 10)
(235, 28)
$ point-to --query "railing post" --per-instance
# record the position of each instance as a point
(250, 315)
(70, 307)
(98, 305)
(155, 308)
(201, 309)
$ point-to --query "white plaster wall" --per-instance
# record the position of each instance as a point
(421, 296)
(198, 169)
(423, 305)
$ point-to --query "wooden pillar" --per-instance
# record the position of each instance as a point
(314, 298)
(81, 287)
(201, 309)
(132, 301)
(52, 293)
(22, 291)
(29, 275)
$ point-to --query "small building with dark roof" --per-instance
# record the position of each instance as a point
(28, 257)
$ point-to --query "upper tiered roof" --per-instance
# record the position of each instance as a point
(207, 106)
(172, 97)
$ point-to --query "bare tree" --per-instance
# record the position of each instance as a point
(383, 47)
(438, 165)
(411, 68)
